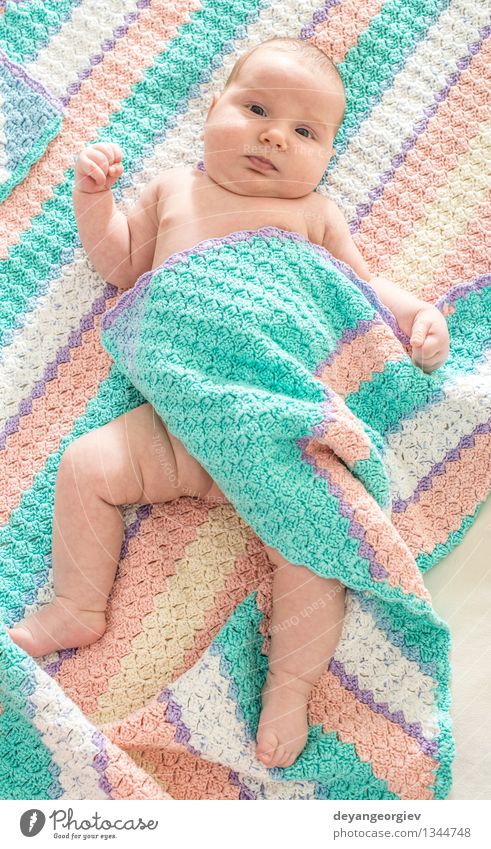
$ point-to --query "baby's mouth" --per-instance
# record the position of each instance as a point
(262, 163)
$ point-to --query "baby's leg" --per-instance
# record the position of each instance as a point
(132, 459)
(306, 625)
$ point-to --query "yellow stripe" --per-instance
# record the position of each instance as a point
(447, 218)
(179, 613)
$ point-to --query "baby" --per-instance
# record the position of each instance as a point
(268, 139)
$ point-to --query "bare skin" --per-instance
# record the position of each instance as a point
(288, 113)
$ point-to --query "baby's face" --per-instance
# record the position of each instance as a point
(277, 109)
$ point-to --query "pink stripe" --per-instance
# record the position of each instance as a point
(393, 755)
(343, 432)
(126, 779)
(182, 774)
(343, 27)
(427, 522)
(100, 96)
(53, 415)
(358, 359)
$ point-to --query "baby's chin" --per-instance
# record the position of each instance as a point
(250, 183)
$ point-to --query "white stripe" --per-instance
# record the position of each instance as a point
(366, 652)
(46, 330)
(285, 788)
(209, 713)
(68, 51)
(424, 440)
(67, 735)
(5, 173)
(413, 90)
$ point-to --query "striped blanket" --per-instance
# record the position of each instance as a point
(165, 704)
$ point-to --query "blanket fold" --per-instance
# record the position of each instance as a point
(285, 376)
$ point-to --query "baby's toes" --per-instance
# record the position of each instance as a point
(23, 638)
(267, 745)
(287, 758)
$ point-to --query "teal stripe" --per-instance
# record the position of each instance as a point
(325, 759)
(162, 94)
(26, 28)
(366, 401)
(26, 768)
(26, 556)
(468, 326)
(380, 53)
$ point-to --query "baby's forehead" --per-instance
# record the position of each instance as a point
(284, 76)
(273, 69)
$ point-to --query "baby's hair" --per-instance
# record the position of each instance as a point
(310, 53)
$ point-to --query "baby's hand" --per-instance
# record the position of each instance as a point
(429, 338)
(98, 167)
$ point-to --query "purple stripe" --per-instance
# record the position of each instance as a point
(425, 483)
(173, 715)
(35, 85)
(350, 682)
(101, 761)
(245, 793)
(363, 210)
(107, 45)
(54, 667)
(463, 290)
(320, 15)
(131, 531)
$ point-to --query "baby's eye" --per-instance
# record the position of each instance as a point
(306, 130)
(256, 106)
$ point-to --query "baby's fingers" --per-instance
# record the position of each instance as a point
(92, 169)
(110, 150)
(117, 168)
(114, 173)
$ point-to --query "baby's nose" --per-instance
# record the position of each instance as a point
(273, 136)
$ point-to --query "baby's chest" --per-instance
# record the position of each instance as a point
(185, 222)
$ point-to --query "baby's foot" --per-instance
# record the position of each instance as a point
(282, 729)
(58, 625)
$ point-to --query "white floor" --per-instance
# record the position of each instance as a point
(460, 586)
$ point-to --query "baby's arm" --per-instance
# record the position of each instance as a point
(339, 242)
(421, 321)
(120, 248)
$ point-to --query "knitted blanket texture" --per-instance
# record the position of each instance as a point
(277, 367)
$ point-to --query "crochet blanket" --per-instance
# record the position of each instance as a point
(287, 378)
(165, 704)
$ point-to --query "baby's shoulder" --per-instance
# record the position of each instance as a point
(177, 173)
(323, 211)
(332, 215)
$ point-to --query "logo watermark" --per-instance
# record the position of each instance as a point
(64, 825)
(32, 822)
